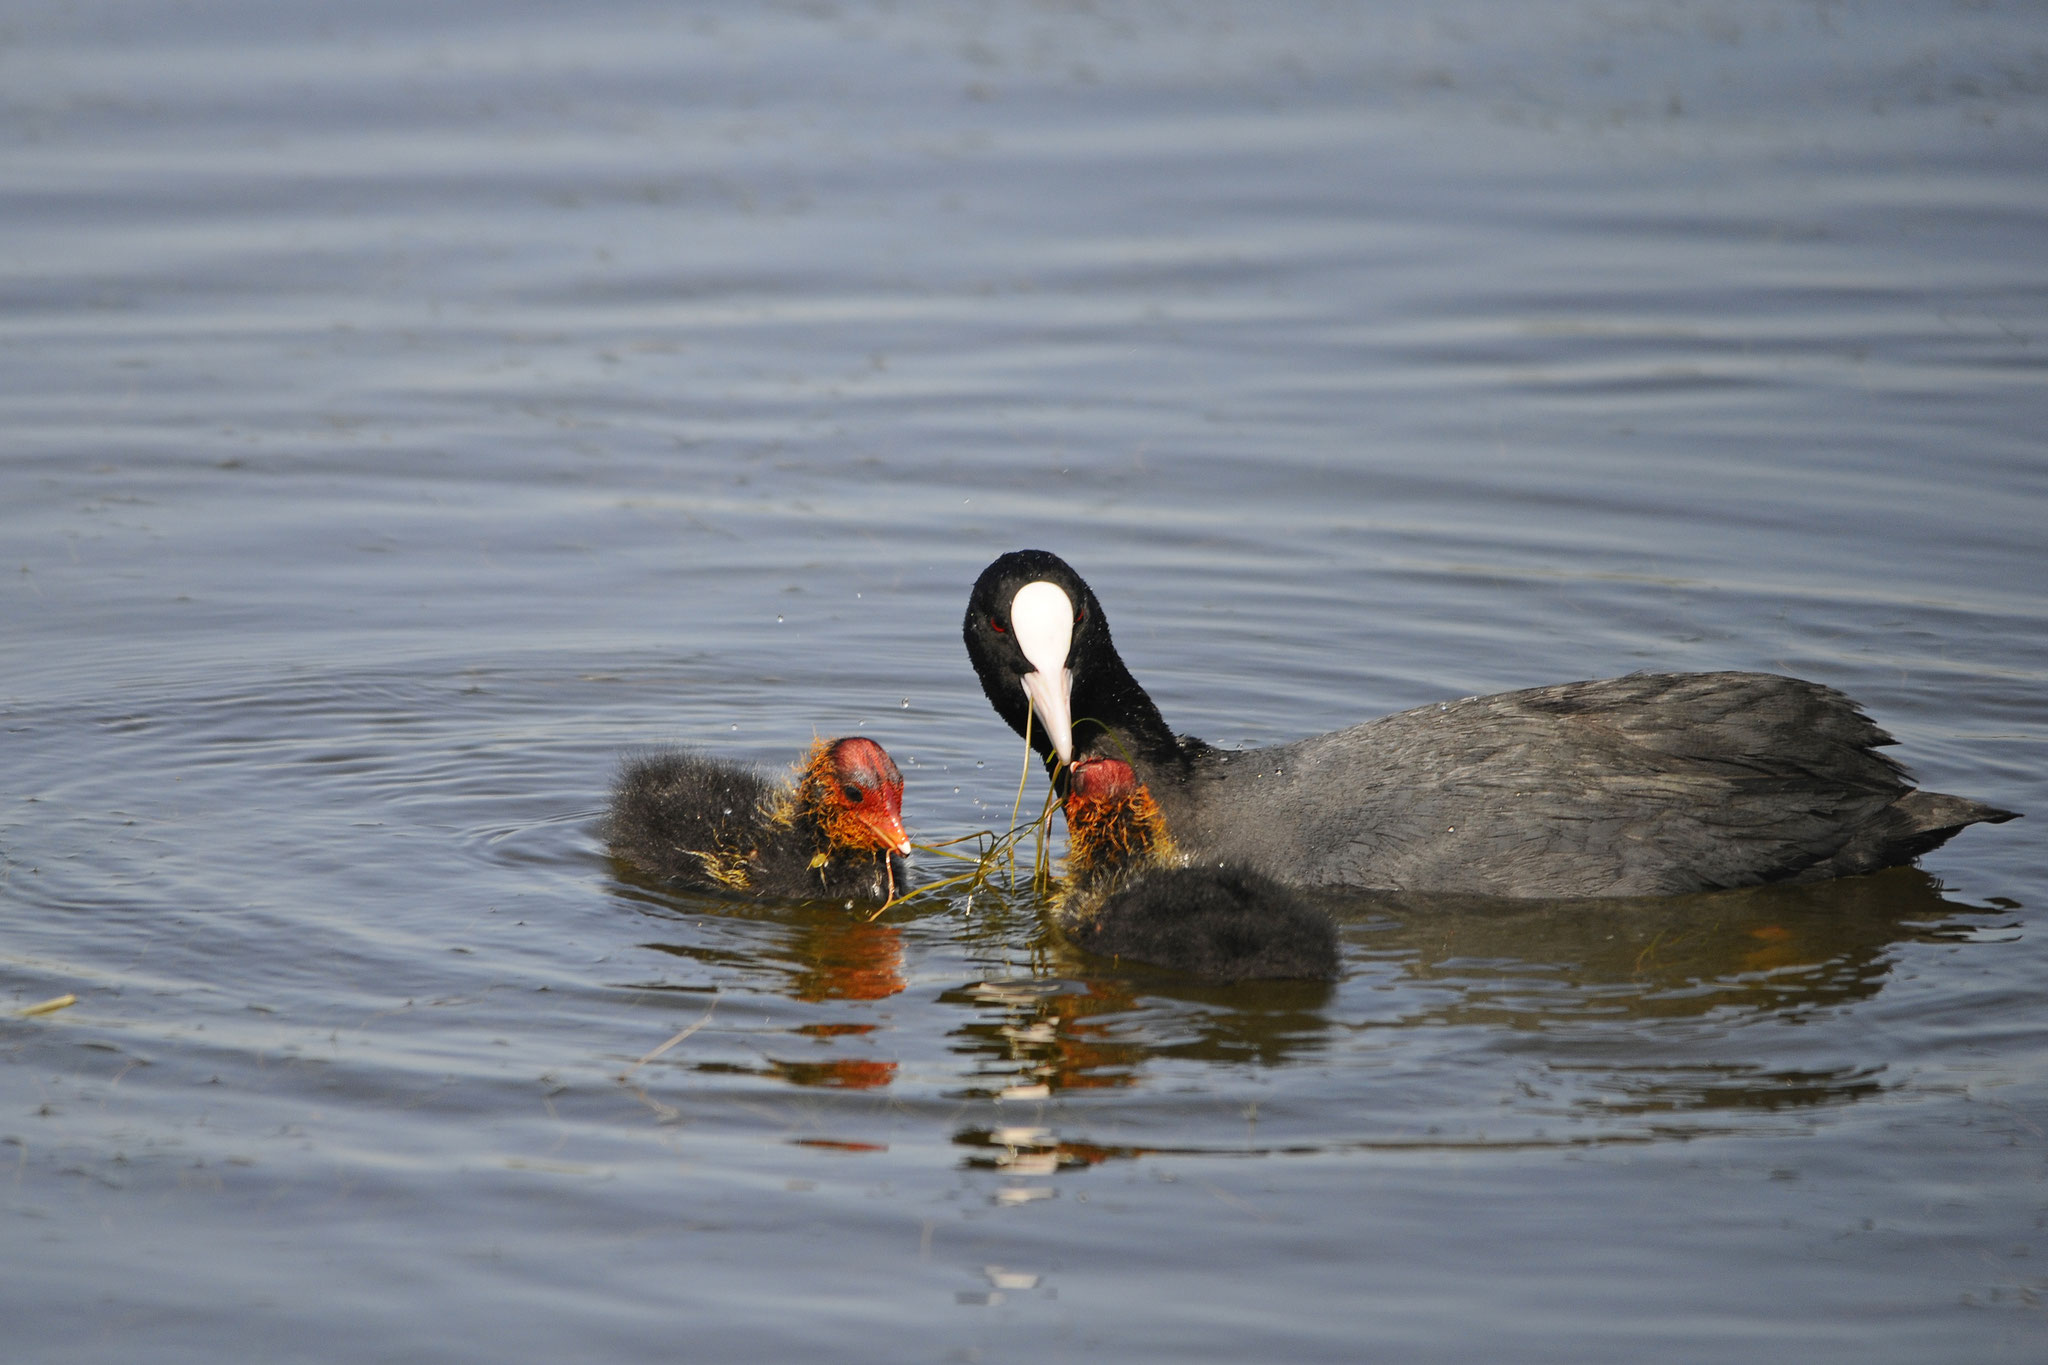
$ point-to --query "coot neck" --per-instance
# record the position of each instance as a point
(1113, 715)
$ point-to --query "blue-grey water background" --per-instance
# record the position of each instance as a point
(408, 409)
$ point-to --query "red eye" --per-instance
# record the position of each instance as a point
(996, 626)
(1080, 616)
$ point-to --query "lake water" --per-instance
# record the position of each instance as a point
(411, 409)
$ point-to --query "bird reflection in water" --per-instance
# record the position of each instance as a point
(1085, 1032)
(824, 956)
(843, 959)
(1766, 950)
(837, 958)
(1596, 1008)
(839, 1073)
(1605, 997)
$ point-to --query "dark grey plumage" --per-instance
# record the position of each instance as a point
(715, 825)
(1650, 784)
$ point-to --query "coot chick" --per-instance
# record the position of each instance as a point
(835, 832)
(1128, 897)
(1650, 784)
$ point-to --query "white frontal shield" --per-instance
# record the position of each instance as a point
(1043, 618)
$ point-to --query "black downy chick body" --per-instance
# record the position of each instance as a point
(834, 832)
(1128, 896)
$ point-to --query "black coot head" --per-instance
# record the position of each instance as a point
(1031, 626)
(1041, 645)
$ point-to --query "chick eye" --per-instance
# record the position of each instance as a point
(852, 793)
(996, 626)
(1080, 616)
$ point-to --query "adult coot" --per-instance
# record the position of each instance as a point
(835, 832)
(1128, 896)
(1650, 784)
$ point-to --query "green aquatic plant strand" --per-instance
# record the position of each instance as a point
(997, 852)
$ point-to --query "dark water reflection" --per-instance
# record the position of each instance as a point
(1569, 977)
(1601, 1006)
(1092, 1025)
(1767, 950)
